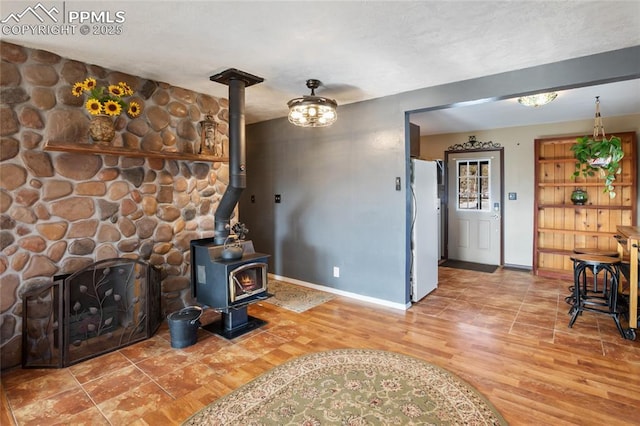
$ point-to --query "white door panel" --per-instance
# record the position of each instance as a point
(463, 234)
(484, 234)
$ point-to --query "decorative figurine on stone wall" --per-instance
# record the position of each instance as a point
(207, 133)
(218, 147)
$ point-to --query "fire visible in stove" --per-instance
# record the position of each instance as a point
(247, 280)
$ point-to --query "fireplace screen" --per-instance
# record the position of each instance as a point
(105, 306)
(247, 280)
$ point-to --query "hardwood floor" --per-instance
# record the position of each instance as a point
(505, 333)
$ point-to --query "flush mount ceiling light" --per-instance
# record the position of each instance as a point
(312, 110)
(537, 100)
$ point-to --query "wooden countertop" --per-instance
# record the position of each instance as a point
(632, 232)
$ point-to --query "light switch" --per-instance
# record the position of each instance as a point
(513, 196)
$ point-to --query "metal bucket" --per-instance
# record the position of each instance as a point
(183, 326)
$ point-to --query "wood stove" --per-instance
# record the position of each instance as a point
(228, 286)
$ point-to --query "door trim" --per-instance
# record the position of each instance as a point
(472, 146)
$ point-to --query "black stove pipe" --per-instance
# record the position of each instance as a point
(237, 81)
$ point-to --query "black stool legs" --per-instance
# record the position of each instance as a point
(604, 300)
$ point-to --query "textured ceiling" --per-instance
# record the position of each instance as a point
(359, 50)
(620, 98)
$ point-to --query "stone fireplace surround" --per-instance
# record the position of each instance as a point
(61, 211)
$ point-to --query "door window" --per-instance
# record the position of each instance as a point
(473, 185)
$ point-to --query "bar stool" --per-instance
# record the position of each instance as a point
(596, 252)
(604, 301)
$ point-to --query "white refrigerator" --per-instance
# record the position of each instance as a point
(425, 228)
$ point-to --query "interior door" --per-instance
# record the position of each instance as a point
(474, 206)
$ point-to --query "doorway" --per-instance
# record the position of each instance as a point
(474, 200)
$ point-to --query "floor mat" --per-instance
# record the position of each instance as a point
(295, 297)
(470, 266)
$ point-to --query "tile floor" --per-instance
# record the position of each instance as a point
(124, 386)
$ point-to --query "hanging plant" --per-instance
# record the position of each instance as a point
(599, 156)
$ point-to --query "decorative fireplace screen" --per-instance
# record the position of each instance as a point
(103, 307)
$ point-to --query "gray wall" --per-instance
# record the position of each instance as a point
(339, 204)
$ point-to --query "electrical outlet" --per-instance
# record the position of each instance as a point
(336, 272)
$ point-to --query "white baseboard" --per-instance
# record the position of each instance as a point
(350, 295)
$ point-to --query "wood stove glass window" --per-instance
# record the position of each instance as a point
(247, 280)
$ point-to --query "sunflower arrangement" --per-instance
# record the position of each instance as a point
(107, 99)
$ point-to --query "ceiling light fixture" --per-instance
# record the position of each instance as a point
(312, 110)
(537, 100)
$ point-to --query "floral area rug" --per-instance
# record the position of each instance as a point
(352, 387)
(294, 297)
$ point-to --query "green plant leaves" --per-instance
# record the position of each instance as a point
(598, 156)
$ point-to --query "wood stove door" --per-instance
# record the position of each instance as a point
(247, 280)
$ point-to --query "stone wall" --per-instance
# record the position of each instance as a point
(62, 211)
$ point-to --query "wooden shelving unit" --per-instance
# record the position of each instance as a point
(559, 225)
(86, 148)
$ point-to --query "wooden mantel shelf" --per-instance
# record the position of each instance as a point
(86, 148)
